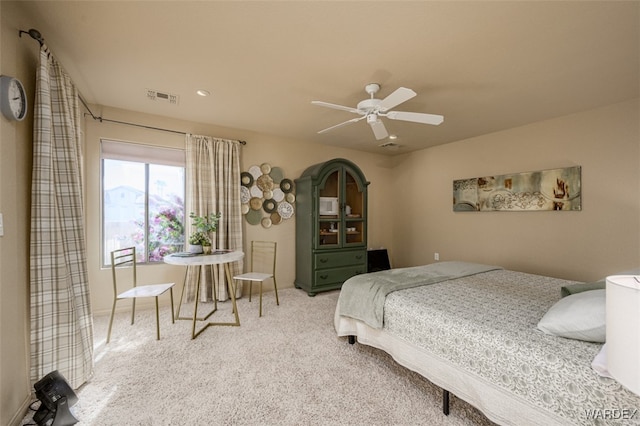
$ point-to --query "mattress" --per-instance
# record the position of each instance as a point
(476, 336)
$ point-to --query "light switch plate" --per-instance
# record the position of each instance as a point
(1, 226)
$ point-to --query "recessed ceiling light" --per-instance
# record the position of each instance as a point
(203, 92)
(393, 137)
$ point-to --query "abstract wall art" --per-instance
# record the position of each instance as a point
(555, 189)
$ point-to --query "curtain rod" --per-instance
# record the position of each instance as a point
(102, 119)
(35, 34)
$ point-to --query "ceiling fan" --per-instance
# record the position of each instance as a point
(372, 109)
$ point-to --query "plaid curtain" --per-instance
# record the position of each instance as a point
(213, 185)
(61, 322)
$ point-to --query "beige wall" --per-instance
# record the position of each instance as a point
(418, 220)
(292, 156)
(601, 239)
(17, 59)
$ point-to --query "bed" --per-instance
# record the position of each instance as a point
(473, 331)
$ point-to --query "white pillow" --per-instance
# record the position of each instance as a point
(580, 316)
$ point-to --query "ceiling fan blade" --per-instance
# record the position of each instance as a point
(379, 130)
(334, 106)
(417, 117)
(353, 120)
(402, 94)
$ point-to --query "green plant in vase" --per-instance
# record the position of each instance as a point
(203, 226)
(206, 246)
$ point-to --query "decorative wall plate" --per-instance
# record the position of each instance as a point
(253, 217)
(276, 218)
(265, 168)
(286, 185)
(285, 209)
(278, 195)
(256, 192)
(255, 203)
(255, 171)
(266, 222)
(245, 194)
(246, 179)
(269, 206)
(265, 183)
(276, 174)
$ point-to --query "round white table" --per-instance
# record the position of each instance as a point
(218, 257)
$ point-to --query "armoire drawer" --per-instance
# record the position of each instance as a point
(338, 275)
(338, 259)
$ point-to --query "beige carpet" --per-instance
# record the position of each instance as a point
(286, 368)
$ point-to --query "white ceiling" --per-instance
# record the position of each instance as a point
(485, 66)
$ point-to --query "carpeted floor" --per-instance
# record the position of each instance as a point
(286, 368)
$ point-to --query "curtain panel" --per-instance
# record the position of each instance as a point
(61, 321)
(213, 185)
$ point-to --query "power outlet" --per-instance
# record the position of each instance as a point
(436, 256)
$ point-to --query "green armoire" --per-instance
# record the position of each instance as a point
(331, 225)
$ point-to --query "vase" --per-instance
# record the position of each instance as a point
(206, 249)
(195, 248)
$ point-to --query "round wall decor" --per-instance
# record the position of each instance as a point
(267, 197)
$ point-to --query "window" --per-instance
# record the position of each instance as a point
(142, 200)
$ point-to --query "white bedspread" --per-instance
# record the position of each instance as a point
(476, 336)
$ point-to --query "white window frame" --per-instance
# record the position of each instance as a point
(142, 153)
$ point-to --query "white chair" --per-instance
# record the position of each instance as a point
(125, 260)
(262, 267)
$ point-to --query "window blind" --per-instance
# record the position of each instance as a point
(128, 151)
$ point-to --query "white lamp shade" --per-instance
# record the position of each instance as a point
(623, 330)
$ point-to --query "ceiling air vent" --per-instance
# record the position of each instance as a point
(165, 97)
(392, 146)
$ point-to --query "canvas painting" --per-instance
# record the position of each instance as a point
(555, 189)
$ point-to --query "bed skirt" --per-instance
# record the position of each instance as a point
(499, 406)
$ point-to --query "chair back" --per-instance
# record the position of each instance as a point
(124, 258)
(263, 257)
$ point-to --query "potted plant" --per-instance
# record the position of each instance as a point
(206, 247)
(204, 226)
(197, 240)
